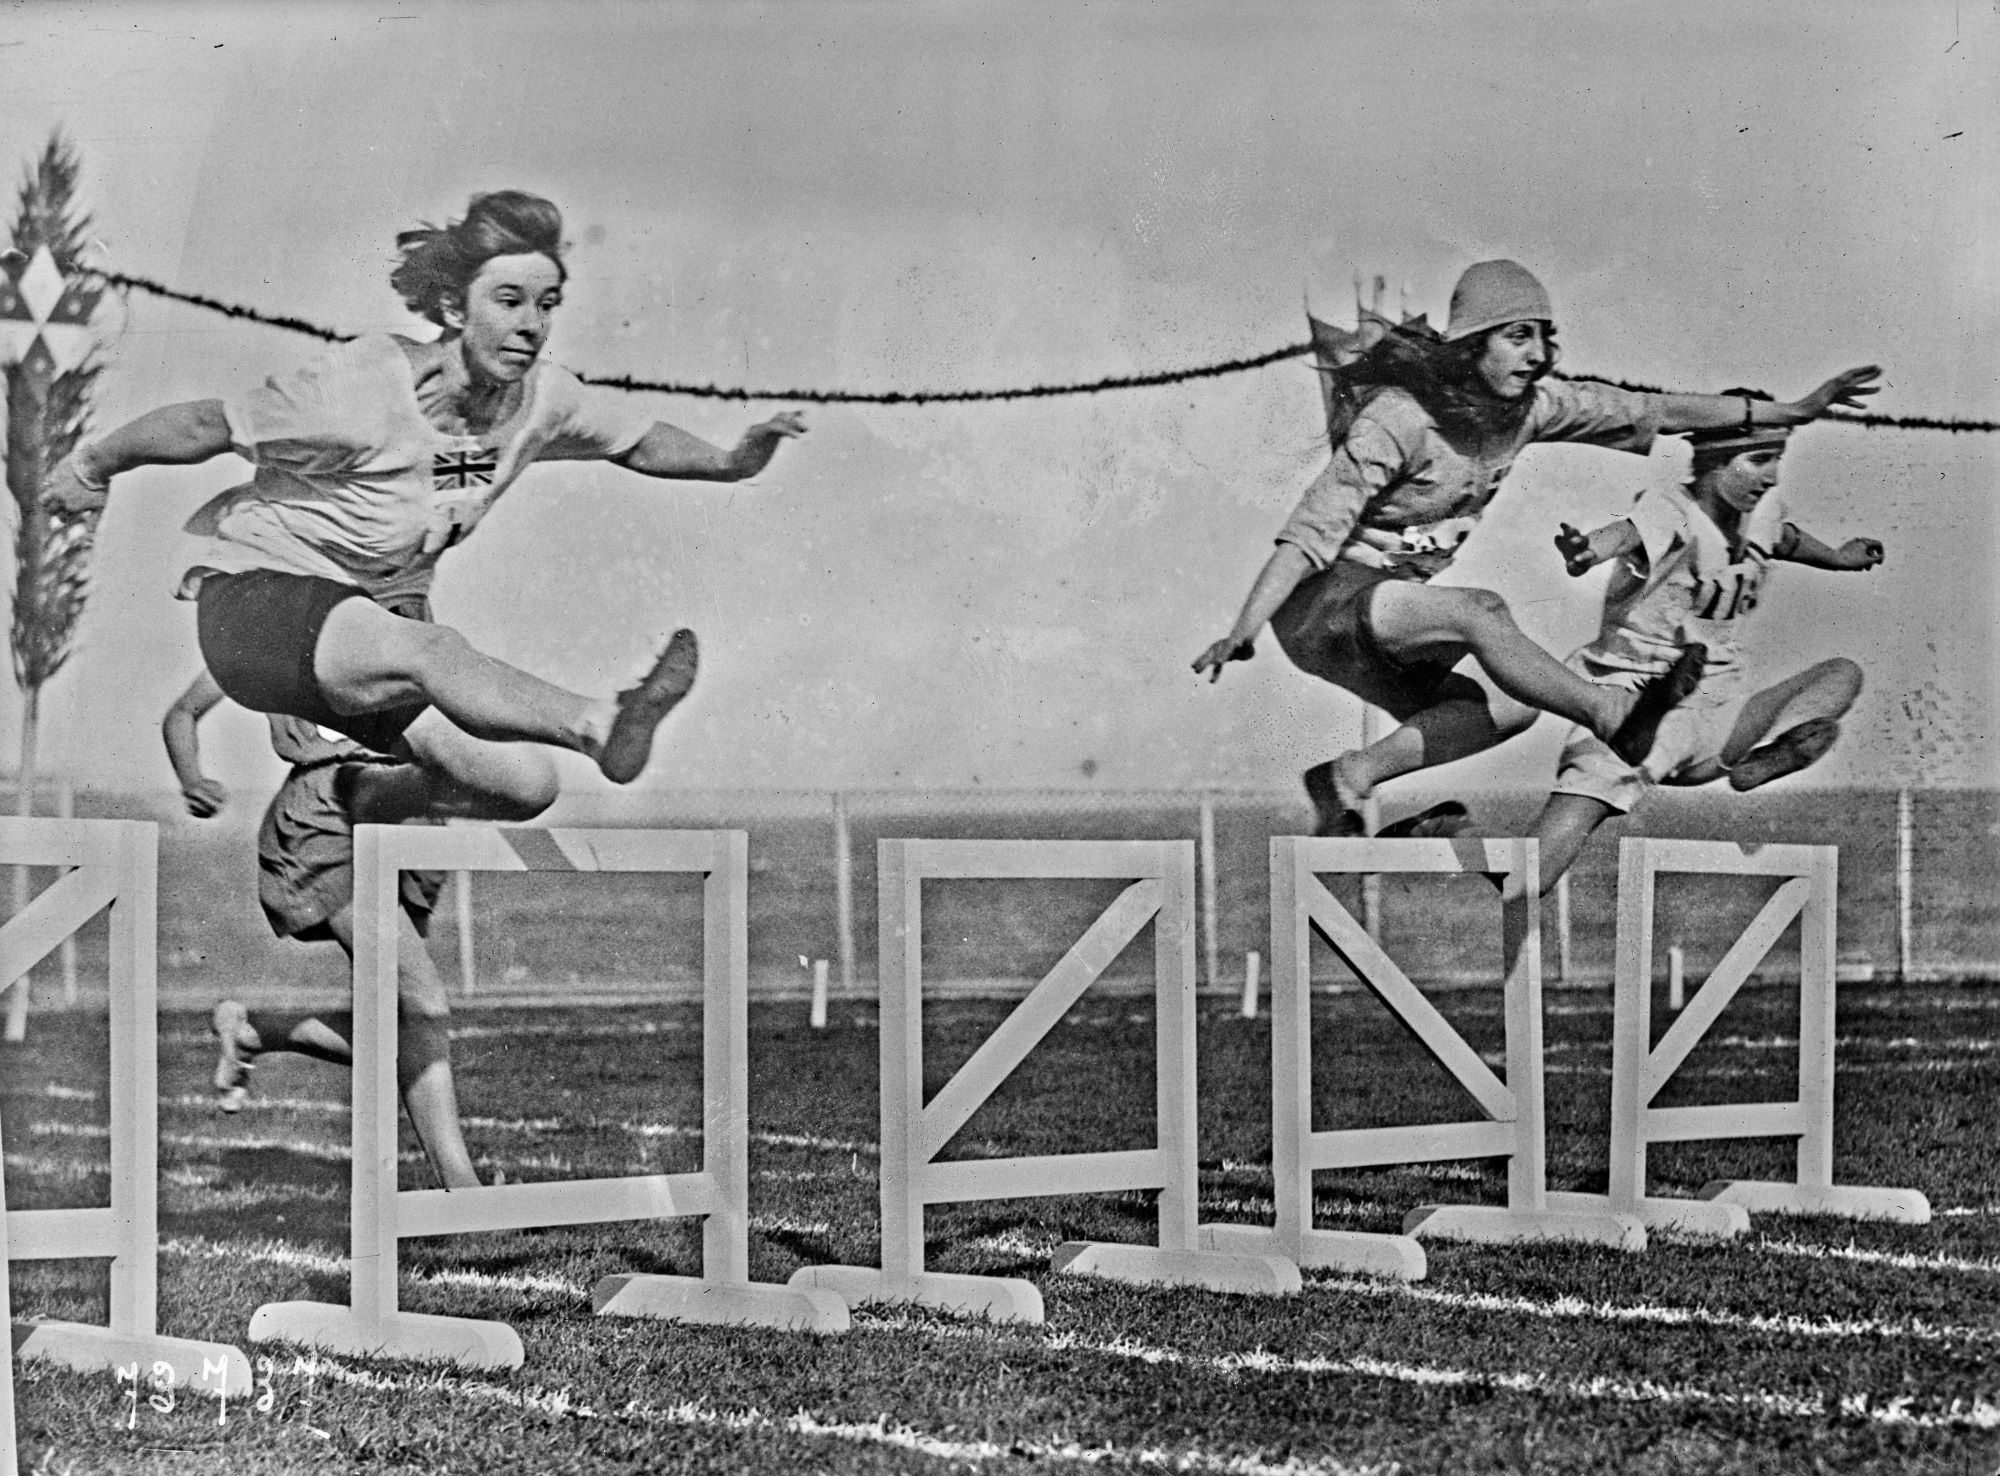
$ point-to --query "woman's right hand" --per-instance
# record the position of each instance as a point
(205, 797)
(66, 493)
(1220, 654)
(1577, 555)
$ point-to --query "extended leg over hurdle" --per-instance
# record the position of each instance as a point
(1513, 1126)
(718, 1193)
(114, 865)
(1161, 890)
(1640, 1070)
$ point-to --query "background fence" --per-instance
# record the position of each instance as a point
(1918, 897)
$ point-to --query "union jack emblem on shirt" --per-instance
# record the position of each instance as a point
(454, 471)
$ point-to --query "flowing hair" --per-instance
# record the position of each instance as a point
(439, 262)
(1440, 376)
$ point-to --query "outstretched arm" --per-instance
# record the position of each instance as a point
(204, 796)
(173, 435)
(1281, 574)
(1718, 412)
(1583, 552)
(668, 451)
(1857, 555)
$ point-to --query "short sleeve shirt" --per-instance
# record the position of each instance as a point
(1684, 583)
(353, 484)
(1400, 496)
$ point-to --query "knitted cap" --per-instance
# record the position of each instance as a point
(1491, 293)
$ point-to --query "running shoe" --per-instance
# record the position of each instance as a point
(1441, 821)
(642, 709)
(1330, 817)
(1660, 696)
(1792, 750)
(238, 1043)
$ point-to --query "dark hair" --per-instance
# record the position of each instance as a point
(439, 262)
(1443, 378)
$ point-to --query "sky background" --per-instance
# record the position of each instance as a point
(877, 197)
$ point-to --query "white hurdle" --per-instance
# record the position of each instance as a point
(382, 1215)
(116, 866)
(1161, 890)
(1513, 1126)
(1807, 892)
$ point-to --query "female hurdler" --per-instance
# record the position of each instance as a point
(369, 462)
(1440, 420)
(1689, 566)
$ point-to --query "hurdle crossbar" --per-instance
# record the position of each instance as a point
(1513, 1125)
(1806, 893)
(115, 868)
(382, 1215)
(1161, 877)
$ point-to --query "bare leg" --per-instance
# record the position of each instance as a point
(368, 659)
(1566, 823)
(1420, 621)
(423, 1055)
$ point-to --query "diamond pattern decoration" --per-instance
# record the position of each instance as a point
(40, 307)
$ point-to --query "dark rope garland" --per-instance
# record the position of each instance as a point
(958, 397)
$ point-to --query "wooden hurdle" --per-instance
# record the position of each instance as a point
(1806, 892)
(382, 1215)
(1161, 891)
(115, 865)
(1513, 1127)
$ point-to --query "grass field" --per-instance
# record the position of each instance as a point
(1811, 1346)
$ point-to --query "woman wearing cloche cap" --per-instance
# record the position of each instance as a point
(1435, 424)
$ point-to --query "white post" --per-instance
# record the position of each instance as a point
(1563, 975)
(843, 892)
(1252, 966)
(1905, 849)
(66, 810)
(819, 994)
(1371, 818)
(1211, 972)
(1676, 977)
(462, 899)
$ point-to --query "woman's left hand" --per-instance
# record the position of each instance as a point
(66, 493)
(760, 443)
(1845, 391)
(1861, 554)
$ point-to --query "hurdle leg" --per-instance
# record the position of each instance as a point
(1396, 1257)
(1531, 1212)
(133, 1243)
(901, 1278)
(1183, 1257)
(724, 1293)
(1815, 1193)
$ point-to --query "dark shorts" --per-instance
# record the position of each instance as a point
(1324, 627)
(258, 632)
(305, 858)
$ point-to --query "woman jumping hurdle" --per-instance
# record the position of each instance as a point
(1437, 422)
(373, 459)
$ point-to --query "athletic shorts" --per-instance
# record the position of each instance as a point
(305, 858)
(1324, 627)
(258, 631)
(1691, 737)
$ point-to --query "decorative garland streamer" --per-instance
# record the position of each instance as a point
(957, 397)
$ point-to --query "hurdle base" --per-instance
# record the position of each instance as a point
(87, 1348)
(1490, 1225)
(1689, 1217)
(1847, 1201)
(1257, 1275)
(1001, 1298)
(1394, 1257)
(716, 1304)
(465, 1341)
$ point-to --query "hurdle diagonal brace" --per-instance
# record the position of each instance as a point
(1161, 890)
(1513, 1126)
(1807, 891)
(116, 866)
(719, 1193)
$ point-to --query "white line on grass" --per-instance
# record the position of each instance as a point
(560, 1404)
(1960, 1414)
(1898, 1260)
